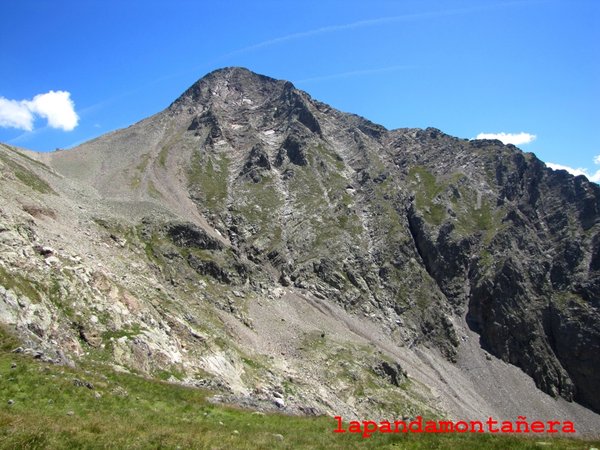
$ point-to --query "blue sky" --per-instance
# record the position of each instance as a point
(464, 66)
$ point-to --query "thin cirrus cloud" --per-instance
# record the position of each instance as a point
(509, 138)
(376, 22)
(54, 106)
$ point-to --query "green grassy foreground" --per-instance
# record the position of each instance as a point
(52, 407)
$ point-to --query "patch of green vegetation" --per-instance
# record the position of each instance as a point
(20, 284)
(486, 258)
(308, 192)
(154, 193)
(8, 341)
(255, 368)
(422, 299)
(418, 292)
(342, 201)
(105, 352)
(412, 288)
(102, 222)
(117, 228)
(123, 332)
(172, 372)
(49, 410)
(347, 200)
(329, 156)
(25, 156)
(208, 176)
(331, 231)
(56, 296)
(483, 218)
(253, 363)
(162, 156)
(150, 244)
(27, 177)
(387, 214)
(135, 183)
(474, 213)
(260, 201)
(314, 341)
(131, 234)
(174, 142)
(427, 189)
(564, 299)
(257, 204)
(329, 221)
(389, 219)
(143, 162)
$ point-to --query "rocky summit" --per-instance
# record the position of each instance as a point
(288, 256)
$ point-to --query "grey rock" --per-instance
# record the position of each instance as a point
(392, 372)
(44, 251)
(190, 235)
(82, 383)
(310, 411)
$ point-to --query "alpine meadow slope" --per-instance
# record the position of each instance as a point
(291, 257)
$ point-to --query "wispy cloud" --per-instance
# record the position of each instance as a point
(335, 28)
(374, 22)
(509, 138)
(27, 136)
(54, 106)
(352, 73)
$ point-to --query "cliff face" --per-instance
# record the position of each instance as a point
(249, 188)
(527, 275)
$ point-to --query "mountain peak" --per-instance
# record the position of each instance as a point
(235, 71)
(237, 79)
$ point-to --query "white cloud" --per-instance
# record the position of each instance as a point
(595, 177)
(57, 107)
(509, 138)
(597, 159)
(54, 106)
(15, 114)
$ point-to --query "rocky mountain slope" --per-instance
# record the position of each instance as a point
(258, 242)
